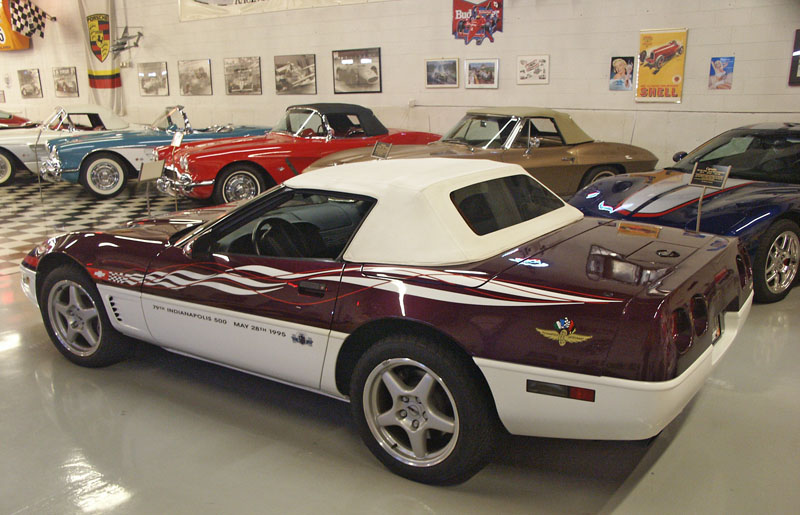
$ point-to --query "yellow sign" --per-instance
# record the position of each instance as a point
(661, 59)
(649, 231)
(10, 40)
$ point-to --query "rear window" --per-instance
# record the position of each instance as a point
(493, 205)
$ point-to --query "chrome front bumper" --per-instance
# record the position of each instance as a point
(50, 170)
(176, 184)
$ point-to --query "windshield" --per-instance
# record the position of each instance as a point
(483, 131)
(752, 155)
(171, 119)
(301, 122)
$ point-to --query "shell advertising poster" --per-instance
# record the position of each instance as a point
(662, 54)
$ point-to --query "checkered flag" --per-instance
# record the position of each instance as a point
(27, 19)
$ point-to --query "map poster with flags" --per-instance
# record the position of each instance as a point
(9, 39)
(105, 84)
(477, 20)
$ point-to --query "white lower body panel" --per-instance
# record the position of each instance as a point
(623, 409)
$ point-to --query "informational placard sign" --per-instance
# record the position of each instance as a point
(177, 139)
(713, 177)
(381, 150)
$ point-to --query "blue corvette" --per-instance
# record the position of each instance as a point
(760, 202)
(103, 163)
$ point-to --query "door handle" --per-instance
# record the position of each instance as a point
(570, 159)
(312, 288)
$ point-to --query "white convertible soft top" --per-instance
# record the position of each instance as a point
(414, 221)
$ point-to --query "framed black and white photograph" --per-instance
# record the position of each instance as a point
(441, 73)
(794, 67)
(194, 77)
(481, 73)
(296, 74)
(242, 75)
(66, 81)
(357, 71)
(153, 79)
(30, 84)
(533, 69)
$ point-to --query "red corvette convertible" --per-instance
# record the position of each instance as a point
(443, 300)
(234, 169)
(12, 121)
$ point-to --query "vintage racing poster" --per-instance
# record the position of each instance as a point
(477, 20)
(661, 60)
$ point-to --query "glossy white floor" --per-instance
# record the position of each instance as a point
(165, 434)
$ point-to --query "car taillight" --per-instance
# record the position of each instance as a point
(681, 330)
(31, 260)
(699, 309)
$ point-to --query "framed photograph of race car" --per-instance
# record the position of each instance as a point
(794, 68)
(30, 84)
(194, 77)
(153, 79)
(242, 75)
(296, 74)
(481, 73)
(357, 71)
(66, 81)
(441, 73)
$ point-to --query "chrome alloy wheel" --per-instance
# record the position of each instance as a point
(74, 317)
(5, 169)
(411, 412)
(105, 175)
(782, 262)
(241, 185)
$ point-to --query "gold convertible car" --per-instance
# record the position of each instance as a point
(547, 143)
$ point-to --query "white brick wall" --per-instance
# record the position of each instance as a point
(579, 35)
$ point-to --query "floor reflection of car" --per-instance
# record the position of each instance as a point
(547, 143)
(444, 300)
(760, 203)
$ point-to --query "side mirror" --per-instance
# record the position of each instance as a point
(534, 142)
(199, 249)
(678, 156)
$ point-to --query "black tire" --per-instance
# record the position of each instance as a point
(7, 168)
(104, 175)
(776, 262)
(438, 387)
(76, 320)
(597, 173)
(239, 181)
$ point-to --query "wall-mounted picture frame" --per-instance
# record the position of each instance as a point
(296, 74)
(441, 73)
(2, 96)
(194, 77)
(533, 69)
(481, 73)
(357, 70)
(153, 79)
(65, 80)
(30, 83)
(794, 67)
(720, 73)
(242, 75)
(620, 76)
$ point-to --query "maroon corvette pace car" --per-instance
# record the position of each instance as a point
(443, 298)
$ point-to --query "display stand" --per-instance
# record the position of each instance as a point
(713, 177)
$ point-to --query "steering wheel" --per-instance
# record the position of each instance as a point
(355, 131)
(307, 133)
(289, 245)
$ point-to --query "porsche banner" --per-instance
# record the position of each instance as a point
(9, 39)
(201, 9)
(104, 77)
(661, 57)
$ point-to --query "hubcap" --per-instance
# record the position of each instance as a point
(410, 412)
(104, 176)
(5, 169)
(74, 318)
(782, 262)
(240, 186)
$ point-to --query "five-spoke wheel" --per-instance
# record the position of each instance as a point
(777, 261)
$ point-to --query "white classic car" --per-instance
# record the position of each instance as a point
(24, 148)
